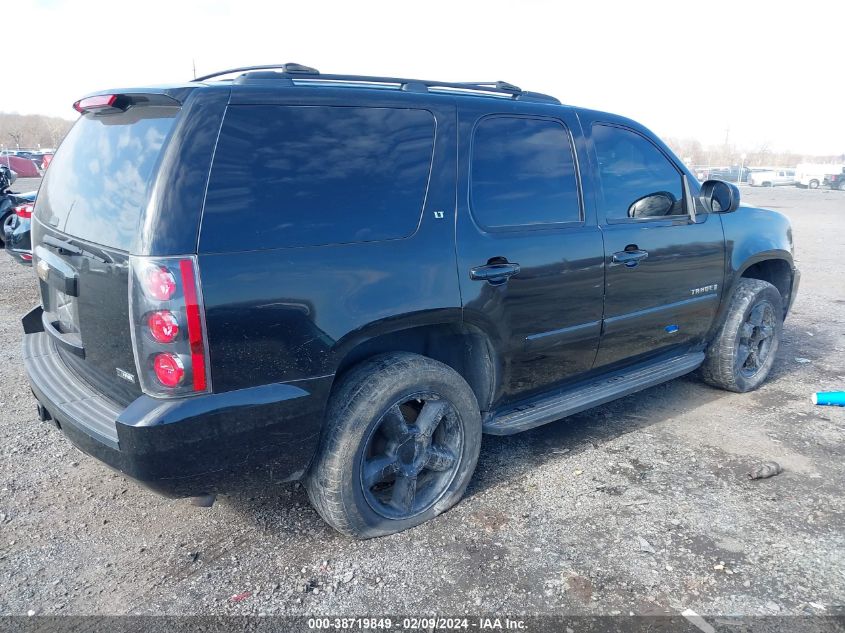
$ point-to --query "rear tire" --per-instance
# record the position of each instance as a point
(400, 443)
(6, 221)
(814, 184)
(741, 355)
(842, 185)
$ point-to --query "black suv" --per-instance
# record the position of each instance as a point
(836, 181)
(349, 279)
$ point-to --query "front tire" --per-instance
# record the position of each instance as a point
(400, 444)
(741, 355)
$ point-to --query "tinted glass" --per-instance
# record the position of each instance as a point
(97, 184)
(523, 173)
(637, 180)
(310, 175)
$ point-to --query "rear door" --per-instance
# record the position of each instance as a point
(664, 262)
(529, 257)
(86, 220)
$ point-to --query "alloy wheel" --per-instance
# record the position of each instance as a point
(756, 336)
(411, 456)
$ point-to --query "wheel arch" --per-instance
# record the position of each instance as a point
(778, 271)
(463, 347)
(774, 266)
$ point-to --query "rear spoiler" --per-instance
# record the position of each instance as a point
(121, 100)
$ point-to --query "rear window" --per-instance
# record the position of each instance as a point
(310, 175)
(97, 184)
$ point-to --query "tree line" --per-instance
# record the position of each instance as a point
(32, 131)
(693, 152)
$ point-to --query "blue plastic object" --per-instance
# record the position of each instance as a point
(830, 398)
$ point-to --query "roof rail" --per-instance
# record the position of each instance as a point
(289, 68)
(304, 75)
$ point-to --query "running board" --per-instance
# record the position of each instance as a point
(568, 402)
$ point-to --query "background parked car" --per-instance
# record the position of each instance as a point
(812, 175)
(17, 230)
(729, 174)
(774, 178)
(836, 181)
(23, 167)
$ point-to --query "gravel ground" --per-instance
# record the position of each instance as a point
(642, 505)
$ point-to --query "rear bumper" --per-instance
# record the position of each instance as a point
(183, 447)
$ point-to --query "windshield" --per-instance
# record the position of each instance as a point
(97, 184)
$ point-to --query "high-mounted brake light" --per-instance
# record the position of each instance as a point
(24, 211)
(98, 102)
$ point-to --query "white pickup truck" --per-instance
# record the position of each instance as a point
(773, 178)
(812, 175)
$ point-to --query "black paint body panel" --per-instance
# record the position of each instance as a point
(282, 322)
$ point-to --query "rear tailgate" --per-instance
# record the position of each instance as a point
(85, 224)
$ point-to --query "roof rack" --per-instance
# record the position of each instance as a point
(297, 74)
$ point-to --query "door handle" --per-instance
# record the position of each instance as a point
(494, 274)
(629, 257)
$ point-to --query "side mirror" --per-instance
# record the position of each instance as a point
(719, 196)
(653, 205)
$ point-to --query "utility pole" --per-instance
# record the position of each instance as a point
(194, 64)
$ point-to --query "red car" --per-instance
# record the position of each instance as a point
(23, 167)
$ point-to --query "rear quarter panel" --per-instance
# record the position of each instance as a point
(292, 313)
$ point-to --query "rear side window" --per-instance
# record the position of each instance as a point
(310, 175)
(637, 180)
(523, 174)
(97, 184)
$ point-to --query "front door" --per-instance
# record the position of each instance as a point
(664, 263)
(530, 263)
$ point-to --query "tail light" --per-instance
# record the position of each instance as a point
(24, 211)
(168, 326)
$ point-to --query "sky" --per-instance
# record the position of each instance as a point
(760, 73)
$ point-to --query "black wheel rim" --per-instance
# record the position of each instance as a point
(411, 456)
(756, 336)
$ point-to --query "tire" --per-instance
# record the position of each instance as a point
(6, 221)
(842, 185)
(767, 184)
(814, 184)
(376, 426)
(742, 353)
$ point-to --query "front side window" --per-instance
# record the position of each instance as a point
(523, 174)
(637, 180)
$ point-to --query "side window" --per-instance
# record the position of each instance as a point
(310, 175)
(522, 174)
(637, 180)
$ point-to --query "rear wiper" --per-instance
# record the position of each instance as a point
(70, 249)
